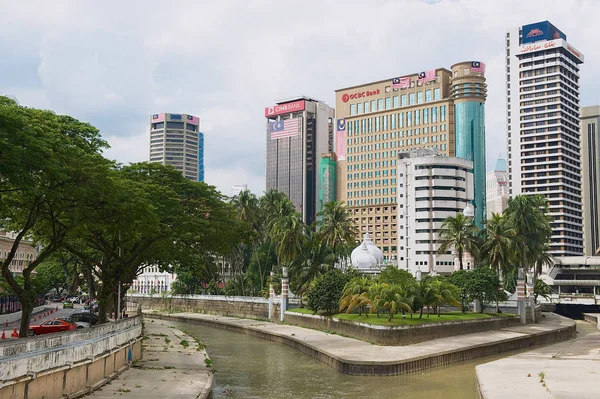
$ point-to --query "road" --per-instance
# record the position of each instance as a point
(40, 317)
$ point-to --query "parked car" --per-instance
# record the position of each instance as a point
(82, 317)
(68, 305)
(52, 326)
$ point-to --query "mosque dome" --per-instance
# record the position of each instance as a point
(359, 256)
(362, 259)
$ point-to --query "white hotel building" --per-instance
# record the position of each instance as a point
(542, 120)
(431, 188)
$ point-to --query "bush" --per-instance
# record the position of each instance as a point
(481, 284)
(326, 292)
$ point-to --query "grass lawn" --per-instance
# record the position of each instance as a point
(382, 320)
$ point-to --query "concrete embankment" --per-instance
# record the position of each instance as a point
(173, 365)
(68, 364)
(351, 356)
(566, 370)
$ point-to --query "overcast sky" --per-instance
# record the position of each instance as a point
(114, 63)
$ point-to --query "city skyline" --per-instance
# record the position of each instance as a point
(69, 58)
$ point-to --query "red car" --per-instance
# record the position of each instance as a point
(52, 326)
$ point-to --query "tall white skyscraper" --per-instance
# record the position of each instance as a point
(496, 187)
(175, 140)
(542, 124)
(590, 163)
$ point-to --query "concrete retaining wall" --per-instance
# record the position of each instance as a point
(394, 368)
(593, 318)
(17, 315)
(69, 363)
(401, 335)
(247, 307)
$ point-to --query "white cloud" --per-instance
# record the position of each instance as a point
(225, 61)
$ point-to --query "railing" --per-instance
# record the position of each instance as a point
(252, 299)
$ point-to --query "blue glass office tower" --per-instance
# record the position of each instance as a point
(469, 91)
(200, 156)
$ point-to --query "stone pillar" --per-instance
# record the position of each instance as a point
(271, 296)
(521, 297)
(284, 292)
(530, 297)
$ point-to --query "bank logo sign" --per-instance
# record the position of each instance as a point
(540, 31)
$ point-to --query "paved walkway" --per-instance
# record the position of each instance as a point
(567, 370)
(168, 369)
(354, 352)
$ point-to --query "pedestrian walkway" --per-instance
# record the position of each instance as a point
(351, 356)
(173, 365)
(567, 370)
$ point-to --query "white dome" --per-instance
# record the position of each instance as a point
(373, 250)
(362, 259)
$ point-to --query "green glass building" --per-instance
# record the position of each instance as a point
(469, 91)
(327, 179)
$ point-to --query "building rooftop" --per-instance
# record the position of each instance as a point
(500, 165)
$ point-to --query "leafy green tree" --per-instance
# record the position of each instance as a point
(444, 293)
(481, 284)
(47, 163)
(424, 296)
(394, 276)
(289, 234)
(326, 292)
(54, 276)
(458, 233)
(336, 230)
(541, 289)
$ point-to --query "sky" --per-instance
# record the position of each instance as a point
(114, 63)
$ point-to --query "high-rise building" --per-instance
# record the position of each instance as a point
(327, 179)
(431, 188)
(298, 131)
(237, 189)
(175, 140)
(497, 189)
(590, 165)
(542, 124)
(438, 109)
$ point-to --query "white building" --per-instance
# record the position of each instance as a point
(237, 189)
(496, 187)
(431, 188)
(590, 163)
(152, 280)
(542, 120)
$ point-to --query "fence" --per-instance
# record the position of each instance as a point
(10, 304)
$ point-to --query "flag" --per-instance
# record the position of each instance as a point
(427, 76)
(285, 128)
(477, 66)
(400, 83)
(340, 139)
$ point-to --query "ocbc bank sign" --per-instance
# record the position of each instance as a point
(361, 94)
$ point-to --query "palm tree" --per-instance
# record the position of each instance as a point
(289, 234)
(458, 233)
(443, 293)
(335, 228)
(246, 204)
(498, 247)
(313, 261)
(424, 297)
(393, 298)
(356, 295)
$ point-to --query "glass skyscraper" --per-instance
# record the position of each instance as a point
(469, 91)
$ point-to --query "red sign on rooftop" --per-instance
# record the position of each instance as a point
(285, 108)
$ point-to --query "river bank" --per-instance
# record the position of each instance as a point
(173, 365)
(354, 357)
(566, 370)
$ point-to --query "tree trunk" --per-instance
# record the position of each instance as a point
(421, 313)
(27, 303)
(460, 259)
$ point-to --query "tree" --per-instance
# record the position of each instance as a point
(314, 260)
(394, 276)
(481, 284)
(392, 298)
(499, 245)
(47, 163)
(458, 233)
(541, 289)
(335, 229)
(356, 295)
(289, 234)
(443, 293)
(54, 276)
(326, 292)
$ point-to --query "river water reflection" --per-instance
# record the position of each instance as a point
(249, 367)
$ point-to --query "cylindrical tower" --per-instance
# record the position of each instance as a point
(469, 90)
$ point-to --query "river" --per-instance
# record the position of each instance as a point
(250, 367)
